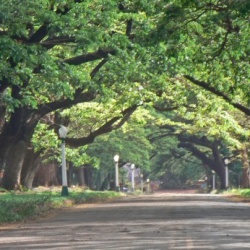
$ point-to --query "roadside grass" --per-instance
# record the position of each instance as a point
(238, 195)
(23, 206)
(244, 193)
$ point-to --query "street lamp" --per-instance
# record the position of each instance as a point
(213, 172)
(133, 177)
(226, 161)
(148, 185)
(141, 183)
(116, 160)
(63, 133)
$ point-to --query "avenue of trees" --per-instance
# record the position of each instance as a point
(165, 84)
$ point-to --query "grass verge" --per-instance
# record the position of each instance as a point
(238, 195)
(22, 206)
(244, 193)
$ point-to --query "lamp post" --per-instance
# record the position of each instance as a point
(226, 161)
(133, 177)
(63, 133)
(213, 172)
(148, 185)
(116, 160)
(141, 183)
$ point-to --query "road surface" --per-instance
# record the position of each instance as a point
(158, 221)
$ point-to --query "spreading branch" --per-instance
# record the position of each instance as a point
(213, 90)
(197, 153)
(99, 54)
(112, 124)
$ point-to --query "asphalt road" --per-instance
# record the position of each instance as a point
(159, 221)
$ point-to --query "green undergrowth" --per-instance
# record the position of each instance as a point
(244, 193)
(16, 207)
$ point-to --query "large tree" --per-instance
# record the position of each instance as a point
(57, 54)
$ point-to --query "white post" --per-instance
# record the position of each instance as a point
(142, 183)
(133, 178)
(148, 185)
(226, 161)
(213, 180)
(63, 133)
(117, 177)
(64, 169)
(227, 177)
(116, 159)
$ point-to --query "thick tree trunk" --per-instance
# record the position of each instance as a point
(47, 175)
(214, 163)
(219, 166)
(222, 175)
(31, 164)
(105, 185)
(14, 162)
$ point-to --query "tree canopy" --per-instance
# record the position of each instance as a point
(91, 64)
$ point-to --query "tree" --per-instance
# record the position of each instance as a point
(55, 55)
(206, 44)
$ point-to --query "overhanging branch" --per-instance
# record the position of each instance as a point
(213, 90)
(99, 54)
(106, 128)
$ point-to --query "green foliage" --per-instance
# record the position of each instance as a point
(240, 192)
(44, 139)
(174, 166)
(130, 142)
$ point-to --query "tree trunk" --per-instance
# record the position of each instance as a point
(31, 164)
(14, 162)
(105, 185)
(88, 174)
(47, 175)
(214, 163)
(219, 166)
(70, 174)
(80, 175)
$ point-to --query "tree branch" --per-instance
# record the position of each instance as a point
(39, 34)
(50, 43)
(106, 128)
(66, 103)
(203, 141)
(97, 68)
(213, 90)
(197, 153)
(99, 54)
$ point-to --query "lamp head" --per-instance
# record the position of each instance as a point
(116, 158)
(132, 166)
(63, 132)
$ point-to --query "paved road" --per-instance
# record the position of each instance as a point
(159, 221)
